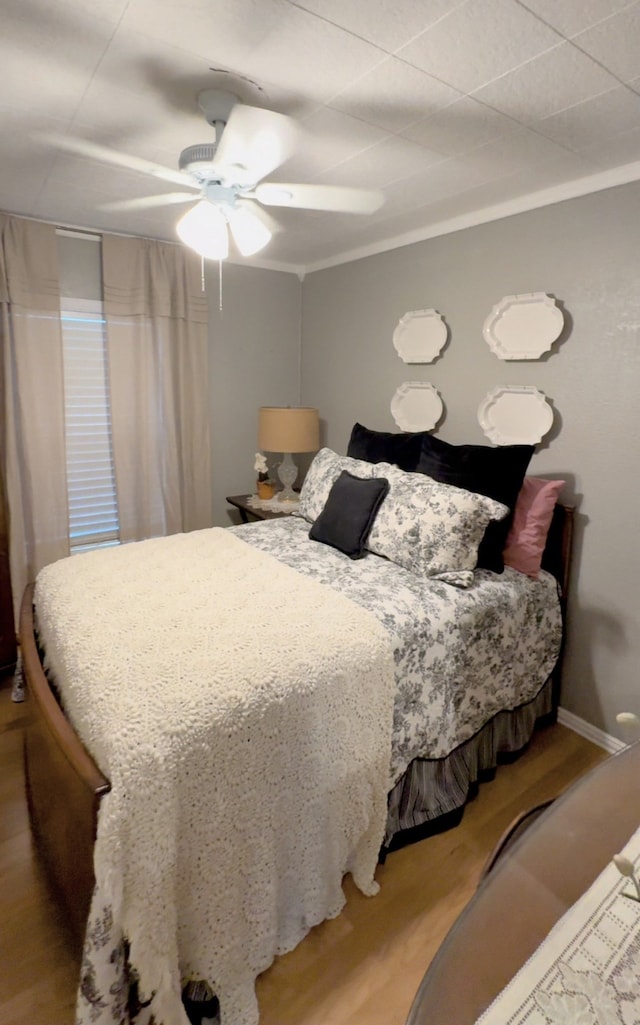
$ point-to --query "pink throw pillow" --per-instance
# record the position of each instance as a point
(531, 521)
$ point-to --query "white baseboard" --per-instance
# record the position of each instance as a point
(589, 732)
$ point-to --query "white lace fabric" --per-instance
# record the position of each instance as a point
(587, 970)
(189, 665)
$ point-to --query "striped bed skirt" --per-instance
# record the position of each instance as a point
(431, 795)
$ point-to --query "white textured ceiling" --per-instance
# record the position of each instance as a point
(459, 109)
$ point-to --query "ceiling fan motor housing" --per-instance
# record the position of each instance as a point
(199, 161)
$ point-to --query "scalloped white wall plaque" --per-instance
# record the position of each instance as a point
(416, 406)
(523, 326)
(515, 415)
(420, 336)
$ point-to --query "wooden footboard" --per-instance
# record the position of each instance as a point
(557, 560)
(64, 785)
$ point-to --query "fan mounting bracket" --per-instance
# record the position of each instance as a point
(216, 105)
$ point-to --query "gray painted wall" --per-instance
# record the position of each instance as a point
(255, 361)
(585, 252)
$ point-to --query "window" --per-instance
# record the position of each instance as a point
(91, 486)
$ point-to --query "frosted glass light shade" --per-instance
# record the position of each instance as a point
(249, 233)
(204, 229)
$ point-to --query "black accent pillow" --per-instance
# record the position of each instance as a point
(495, 472)
(401, 450)
(349, 512)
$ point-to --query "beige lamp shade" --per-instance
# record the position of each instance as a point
(288, 429)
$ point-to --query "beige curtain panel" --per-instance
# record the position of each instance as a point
(32, 399)
(159, 381)
(157, 343)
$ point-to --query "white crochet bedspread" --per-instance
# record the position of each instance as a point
(188, 665)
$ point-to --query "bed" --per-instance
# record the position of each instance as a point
(443, 682)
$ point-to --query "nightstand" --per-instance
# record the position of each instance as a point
(241, 502)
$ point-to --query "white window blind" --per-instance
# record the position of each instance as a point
(93, 507)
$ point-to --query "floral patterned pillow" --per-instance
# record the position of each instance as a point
(430, 528)
(322, 475)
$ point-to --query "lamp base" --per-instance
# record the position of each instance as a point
(287, 472)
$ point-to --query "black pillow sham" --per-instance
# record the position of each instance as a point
(495, 472)
(349, 512)
(401, 450)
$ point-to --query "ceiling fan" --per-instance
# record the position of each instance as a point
(225, 178)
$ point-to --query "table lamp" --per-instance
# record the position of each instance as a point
(288, 429)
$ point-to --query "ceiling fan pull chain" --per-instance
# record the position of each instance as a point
(220, 284)
(202, 273)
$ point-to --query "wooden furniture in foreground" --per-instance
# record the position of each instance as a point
(64, 784)
(529, 886)
(241, 502)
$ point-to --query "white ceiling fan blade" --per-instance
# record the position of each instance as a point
(148, 202)
(253, 143)
(267, 219)
(320, 197)
(93, 151)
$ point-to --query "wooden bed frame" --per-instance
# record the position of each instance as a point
(64, 785)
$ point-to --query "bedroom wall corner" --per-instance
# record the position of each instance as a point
(254, 347)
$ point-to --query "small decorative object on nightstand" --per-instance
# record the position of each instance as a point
(266, 488)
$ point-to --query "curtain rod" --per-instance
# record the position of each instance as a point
(64, 227)
(76, 233)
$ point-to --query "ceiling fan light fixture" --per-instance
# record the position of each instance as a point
(227, 176)
(204, 229)
(249, 233)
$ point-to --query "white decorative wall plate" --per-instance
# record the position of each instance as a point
(515, 415)
(523, 326)
(420, 336)
(416, 406)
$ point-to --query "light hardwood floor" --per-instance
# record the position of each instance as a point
(362, 968)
